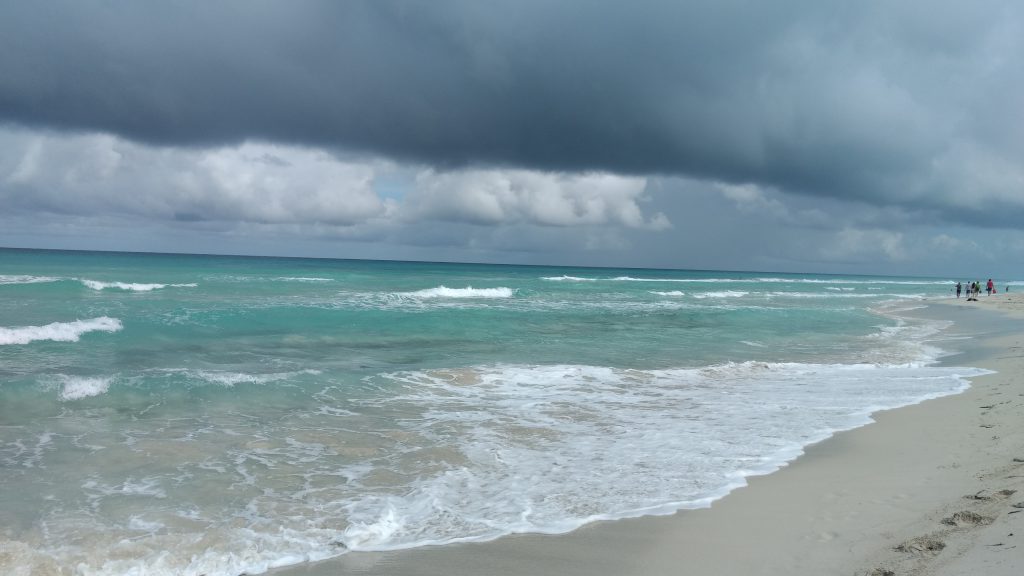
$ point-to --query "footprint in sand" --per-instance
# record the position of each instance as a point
(967, 518)
(921, 545)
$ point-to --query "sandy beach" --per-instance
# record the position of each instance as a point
(931, 489)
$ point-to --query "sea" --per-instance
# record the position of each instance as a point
(213, 415)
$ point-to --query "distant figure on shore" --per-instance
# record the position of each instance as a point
(958, 289)
(990, 288)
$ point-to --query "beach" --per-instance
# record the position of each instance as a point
(934, 489)
(216, 416)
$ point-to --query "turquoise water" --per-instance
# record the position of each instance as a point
(175, 414)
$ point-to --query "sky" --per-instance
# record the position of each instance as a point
(859, 136)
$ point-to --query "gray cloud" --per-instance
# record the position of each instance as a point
(492, 197)
(913, 104)
(100, 174)
(295, 187)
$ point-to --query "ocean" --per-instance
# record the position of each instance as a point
(213, 415)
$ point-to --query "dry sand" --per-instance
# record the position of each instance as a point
(934, 489)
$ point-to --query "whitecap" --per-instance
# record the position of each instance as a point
(468, 292)
(301, 279)
(25, 279)
(77, 387)
(58, 331)
(722, 294)
(632, 279)
(566, 278)
(131, 286)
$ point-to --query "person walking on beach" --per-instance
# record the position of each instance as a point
(990, 287)
(958, 289)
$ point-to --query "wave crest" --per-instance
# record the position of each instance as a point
(131, 286)
(76, 388)
(467, 292)
(58, 331)
(25, 279)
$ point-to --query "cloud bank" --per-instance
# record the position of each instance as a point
(795, 134)
(263, 183)
(914, 104)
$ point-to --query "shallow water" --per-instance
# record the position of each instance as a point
(165, 414)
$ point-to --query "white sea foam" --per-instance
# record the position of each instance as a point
(468, 292)
(667, 438)
(837, 295)
(632, 279)
(149, 486)
(722, 294)
(131, 286)
(20, 453)
(230, 379)
(301, 279)
(568, 279)
(922, 282)
(139, 523)
(58, 331)
(78, 387)
(488, 451)
(669, 293)
(25, 279)
(233, 378)
(765, 280)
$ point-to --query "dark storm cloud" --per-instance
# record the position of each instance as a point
(891, 102)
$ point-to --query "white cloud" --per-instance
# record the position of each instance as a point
(95, 174)
(80, 181)
(269, 183)
(492, 197)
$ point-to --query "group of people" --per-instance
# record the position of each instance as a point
(974, 288)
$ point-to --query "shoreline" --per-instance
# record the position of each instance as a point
(925, 489)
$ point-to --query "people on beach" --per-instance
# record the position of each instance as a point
(972, 291)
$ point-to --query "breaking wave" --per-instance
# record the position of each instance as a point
(131, 286)
(58, 331)
(468, 292)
